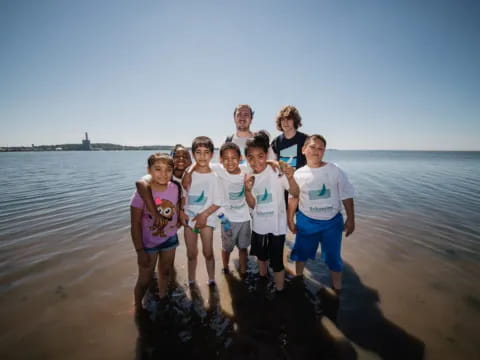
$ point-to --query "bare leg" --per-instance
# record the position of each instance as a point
(206, 234)
(145, 275)
(242, 259)
(225, 259)
(262, 267)
(165, 263)
(336, 280)
(299, 267)
(192, 253)
(279, 278)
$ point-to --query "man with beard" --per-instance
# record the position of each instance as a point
(243, 115)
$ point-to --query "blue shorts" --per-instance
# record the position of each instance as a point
(311, 232)
(171, 243)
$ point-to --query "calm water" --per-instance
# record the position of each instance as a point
(64, 220)
(83, 197)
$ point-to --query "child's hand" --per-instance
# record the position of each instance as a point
(288, 171)
(349, 226)
(248, 182)
(292, 226)
(157, 221)
(143, 259)
(201, 220)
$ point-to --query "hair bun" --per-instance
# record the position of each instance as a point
(262, 136)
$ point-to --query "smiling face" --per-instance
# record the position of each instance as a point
(230, 160)
(161, 172)
(243, 119)
(181, 159)
(314, 150)
(257, 159)
(202, 156)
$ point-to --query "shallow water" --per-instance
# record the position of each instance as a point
(67, 269)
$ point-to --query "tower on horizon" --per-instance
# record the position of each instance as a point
(86, 143)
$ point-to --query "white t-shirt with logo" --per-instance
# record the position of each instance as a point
(322, 190)
(269, 215)
(205, 190)
(235, 206)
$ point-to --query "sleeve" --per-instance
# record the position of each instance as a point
(284, 182)
(217, 168)
(296, 177)
(137, 201)
(345, 187)
(245, 169)
(218, 193)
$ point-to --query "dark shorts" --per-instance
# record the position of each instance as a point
(268, 247)
(171, 243)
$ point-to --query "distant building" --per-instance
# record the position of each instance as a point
(86, 143)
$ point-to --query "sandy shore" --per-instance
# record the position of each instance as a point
(395, 305)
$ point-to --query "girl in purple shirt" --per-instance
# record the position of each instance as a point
(155, 243)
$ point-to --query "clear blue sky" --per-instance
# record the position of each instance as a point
(365, 74)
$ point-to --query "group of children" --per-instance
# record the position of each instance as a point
(249, 199)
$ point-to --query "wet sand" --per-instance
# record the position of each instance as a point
(386, 310)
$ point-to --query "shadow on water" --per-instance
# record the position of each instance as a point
(182, 326)
(262, 325)
(285, 326)
(362, 321)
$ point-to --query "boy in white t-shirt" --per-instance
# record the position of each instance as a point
(204, 198)
(231, 177)
(323, 189)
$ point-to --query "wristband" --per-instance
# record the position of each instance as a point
(139, 249)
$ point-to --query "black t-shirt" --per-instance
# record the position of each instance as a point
(290, 150)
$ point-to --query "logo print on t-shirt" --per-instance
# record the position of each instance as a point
(264, 198)
(289, 155)
(323, 193)
(197, 199)
(237, 195)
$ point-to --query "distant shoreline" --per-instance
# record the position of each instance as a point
(113, 147)
(80, 147)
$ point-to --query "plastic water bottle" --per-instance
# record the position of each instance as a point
(227, 227)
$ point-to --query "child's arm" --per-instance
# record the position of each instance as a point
(201, 218)
(248, 183)
(349, 226)
(182, 217)
(274, 165)
(187, 177)
(292, 208)
(293, 188)
(145, 192)
(136, 232)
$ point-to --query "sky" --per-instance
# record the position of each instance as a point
(388, 75)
